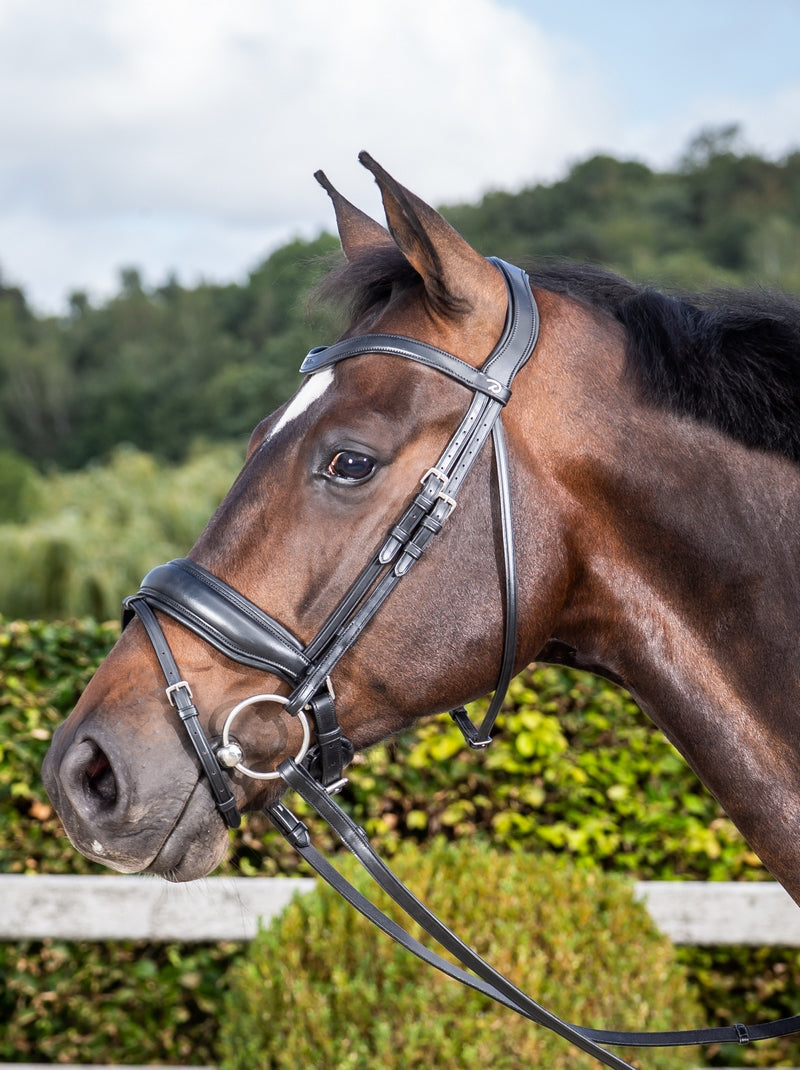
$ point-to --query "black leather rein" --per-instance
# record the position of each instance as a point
(221, 616)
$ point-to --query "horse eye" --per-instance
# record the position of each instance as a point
(351, 466)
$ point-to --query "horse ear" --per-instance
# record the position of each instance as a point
(456, 277)
(357, 230)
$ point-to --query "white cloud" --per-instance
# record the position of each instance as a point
(182, 134)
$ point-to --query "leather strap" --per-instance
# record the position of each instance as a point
(410, 348)
(521, 331)
(222, 617)
(481, 737)
(332, 751)
(180, 696)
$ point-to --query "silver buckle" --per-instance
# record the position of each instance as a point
(170, 692)
(448, 501)
(445, 480)
(440, 475)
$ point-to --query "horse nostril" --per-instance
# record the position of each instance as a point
(99, 780)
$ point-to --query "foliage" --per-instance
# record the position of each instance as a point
(319, 987)
(19, 485)
(43, 668)
(747, 984)
(160, 368)
(725, 217)
(157, 369)
(93, 534)
(124, 1002)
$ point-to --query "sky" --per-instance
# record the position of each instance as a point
(180, 137)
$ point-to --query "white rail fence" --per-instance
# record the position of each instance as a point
(231, 908)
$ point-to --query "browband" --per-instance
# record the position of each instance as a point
(398, 346)
(493, 379)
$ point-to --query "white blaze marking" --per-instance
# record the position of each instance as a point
(312, 389)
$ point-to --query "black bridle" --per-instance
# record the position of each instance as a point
(220, 615)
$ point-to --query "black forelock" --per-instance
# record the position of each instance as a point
(364, 285)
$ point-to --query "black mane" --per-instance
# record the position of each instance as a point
(730, 359)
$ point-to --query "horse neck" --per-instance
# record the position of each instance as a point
(676, 537)
(691, 539)
(682, 582)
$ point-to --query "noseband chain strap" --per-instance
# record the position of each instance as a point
(224, 618)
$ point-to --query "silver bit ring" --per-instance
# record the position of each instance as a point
(230, 749)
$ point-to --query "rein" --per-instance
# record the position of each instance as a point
(484, 978)
(224, 618)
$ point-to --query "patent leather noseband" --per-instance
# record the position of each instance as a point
(224, 618)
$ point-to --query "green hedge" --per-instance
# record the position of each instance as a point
(111, 1002)
(320, 987)
(44, 666)
(575, 769)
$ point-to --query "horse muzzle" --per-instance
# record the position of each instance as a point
(98, 794)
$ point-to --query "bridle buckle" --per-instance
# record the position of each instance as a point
(170, 692)
(451, 502)
(440, 475)
(437, 473)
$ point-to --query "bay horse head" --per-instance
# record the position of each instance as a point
(363, 569)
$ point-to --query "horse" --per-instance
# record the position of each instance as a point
(636, 518)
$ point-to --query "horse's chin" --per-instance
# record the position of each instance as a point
(195, 845)
(179, 864)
